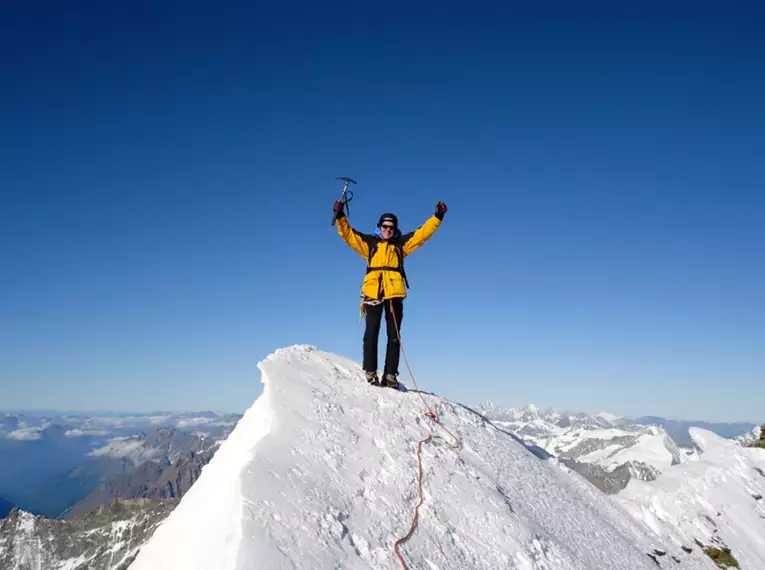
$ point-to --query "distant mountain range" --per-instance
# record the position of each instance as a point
(29, 426)
(122, 487)
(55, 463)
(324, 486)
(606, 449)
(120, 482)
(167, 476)
(678, 430)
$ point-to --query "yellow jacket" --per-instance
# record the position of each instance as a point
(385, 278)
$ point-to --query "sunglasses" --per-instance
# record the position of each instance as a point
(388, 227)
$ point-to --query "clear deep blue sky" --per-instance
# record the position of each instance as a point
(167, 174)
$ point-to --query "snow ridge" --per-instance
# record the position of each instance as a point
(322, 473)
(211, 515)
(716, 500)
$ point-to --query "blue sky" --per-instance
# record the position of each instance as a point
(167, 174)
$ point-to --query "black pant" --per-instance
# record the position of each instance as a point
(372, 333)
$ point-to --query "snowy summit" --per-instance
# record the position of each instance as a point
(322, 472)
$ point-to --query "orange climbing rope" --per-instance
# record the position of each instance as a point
(432, 415)
(417, 508)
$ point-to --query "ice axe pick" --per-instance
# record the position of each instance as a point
(346, 196)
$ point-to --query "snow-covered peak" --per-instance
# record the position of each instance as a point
(610, 447)
(548, 420)
(750, 437)
(716, 500)
(610, 418)
(649, 444)
(322, 473)
(708, 443)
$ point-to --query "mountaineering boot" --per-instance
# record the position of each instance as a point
(372, 378)
(391, 381)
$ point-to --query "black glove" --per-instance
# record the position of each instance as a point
(441, 209)
(337, 208)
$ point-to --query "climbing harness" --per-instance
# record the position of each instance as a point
(345, 197)
(399, 249)
(430, 414)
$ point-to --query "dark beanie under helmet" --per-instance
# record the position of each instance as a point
(387, 217)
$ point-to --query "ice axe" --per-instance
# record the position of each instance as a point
(346, 196)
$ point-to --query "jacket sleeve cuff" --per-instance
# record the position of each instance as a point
(440, 215)
(340, 214)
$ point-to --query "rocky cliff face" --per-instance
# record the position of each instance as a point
(131, 483)
(106, 530)
(613, 481)
(151, 480)
(106, 539)
(175, 480)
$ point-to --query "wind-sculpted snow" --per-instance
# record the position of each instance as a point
(322, 473)
(716, 501)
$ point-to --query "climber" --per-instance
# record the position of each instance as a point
(385, 284)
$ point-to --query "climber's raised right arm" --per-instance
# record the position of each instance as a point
(350, 236)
